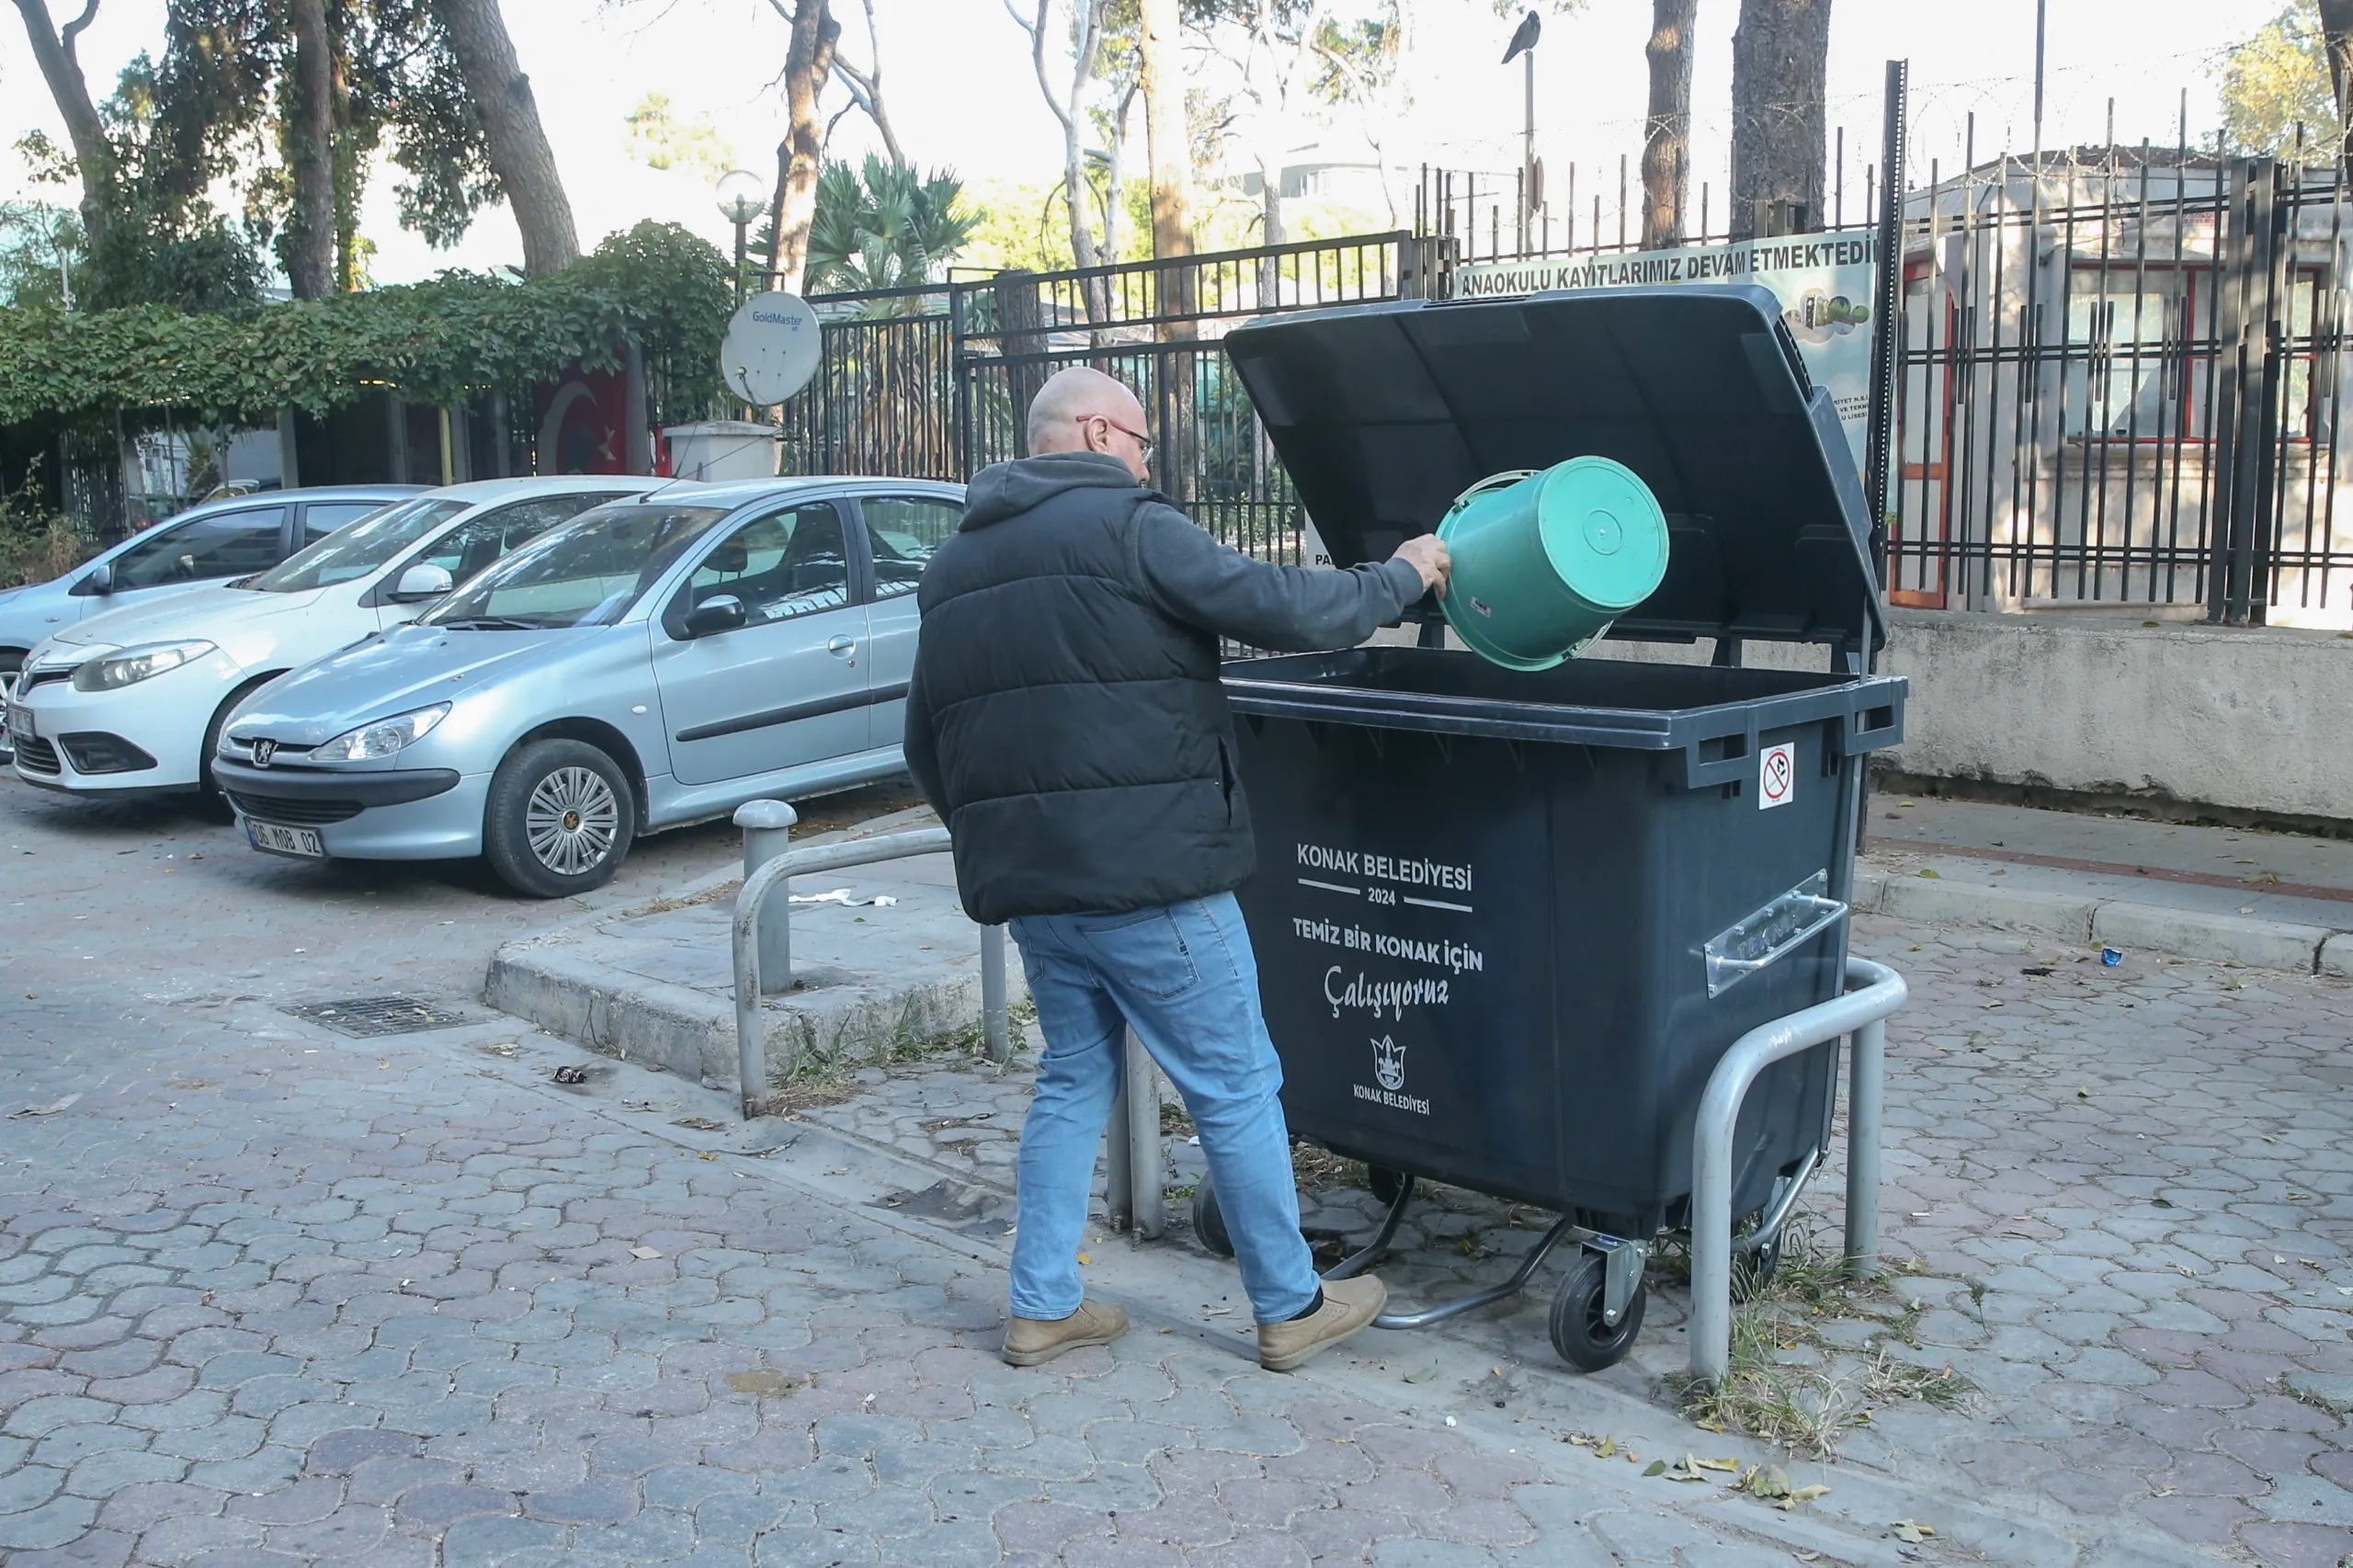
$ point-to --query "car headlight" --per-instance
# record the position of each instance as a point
(132, 666)
(382, 738)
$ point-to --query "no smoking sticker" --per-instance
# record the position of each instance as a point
(1776, 775)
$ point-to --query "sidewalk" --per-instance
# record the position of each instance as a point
(2224, 895)
(884, 961)
(655, 983)
(2117, 1327)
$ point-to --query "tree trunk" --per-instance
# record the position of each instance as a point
(93, 154)
(808, 62)
(1168, 137)
(2337, 35)
(310, 154)
(1666, 132)
(520, 153)
(1779, 56)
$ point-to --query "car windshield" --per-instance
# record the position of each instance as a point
(587, 573)
(358, 548)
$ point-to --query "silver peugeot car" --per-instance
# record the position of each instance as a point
(654, 662)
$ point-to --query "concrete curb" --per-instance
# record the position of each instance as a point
(2128, 924)
(554, 980)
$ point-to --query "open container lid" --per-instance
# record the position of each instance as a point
(1385, 413)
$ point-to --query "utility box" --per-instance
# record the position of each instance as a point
(723, 448)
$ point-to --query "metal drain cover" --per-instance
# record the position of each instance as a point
(368, 1016)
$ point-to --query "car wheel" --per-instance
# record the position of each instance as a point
(206, 784)
(561, 817)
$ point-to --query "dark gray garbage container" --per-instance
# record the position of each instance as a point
(1506, 922)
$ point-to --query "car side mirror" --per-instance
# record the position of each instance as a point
(724, 613)
(99, 579)
(421, 582)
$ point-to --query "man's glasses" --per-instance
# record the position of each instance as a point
(1144, 443)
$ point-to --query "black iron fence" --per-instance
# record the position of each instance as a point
(936, 383)
(2112, 375)
(2118, 384)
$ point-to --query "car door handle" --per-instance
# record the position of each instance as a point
(844, 648)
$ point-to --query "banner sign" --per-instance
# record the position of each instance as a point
(1823, 282)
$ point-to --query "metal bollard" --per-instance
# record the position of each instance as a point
(768, 833)
(1147, 1204)
(1866, 1095)
(996, 1028)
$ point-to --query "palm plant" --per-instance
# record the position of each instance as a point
(884, 225)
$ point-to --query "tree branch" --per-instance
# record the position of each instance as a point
(74, 29)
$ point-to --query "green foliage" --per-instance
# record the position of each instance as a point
(660, 140)
(39, 242)
(2276, 79)
(436, 341)
(36, 542)
(884, 226)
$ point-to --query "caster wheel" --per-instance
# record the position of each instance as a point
(1208, 1223)
(1584, 1341)
(1384, 1183)
(1751, 1273)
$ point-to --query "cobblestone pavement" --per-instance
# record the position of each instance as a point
(270, 1295)
(2120, 1203)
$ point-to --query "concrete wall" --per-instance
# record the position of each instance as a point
(2257, 720)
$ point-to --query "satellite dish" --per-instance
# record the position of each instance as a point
(771, 349)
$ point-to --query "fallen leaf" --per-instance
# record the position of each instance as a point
(1932, 873)
(1912, 1532)
(762, 1383)
(699, 1123)
(710, 1155)
(2161, 1203)
(1606, 1449)
(1808, 1494)
(1766, 1481)
(1424, 1375)
(1718, 1464)
(1657, 1467)
(2083, 1092)
(51, 1109)
(1086, 1257)
(643, 1253)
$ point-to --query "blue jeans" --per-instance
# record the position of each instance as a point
(1183, 978)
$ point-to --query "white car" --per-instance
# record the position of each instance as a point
(131, 702)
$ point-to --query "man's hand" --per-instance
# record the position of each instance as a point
(1428, 554)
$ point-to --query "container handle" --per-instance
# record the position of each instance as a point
(1701, 771)
(1760, 940)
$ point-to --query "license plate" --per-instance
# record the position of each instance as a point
(20, 722)
(285, 840)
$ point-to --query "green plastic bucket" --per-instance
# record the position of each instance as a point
(1544, 559)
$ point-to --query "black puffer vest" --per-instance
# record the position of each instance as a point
(1082, 741)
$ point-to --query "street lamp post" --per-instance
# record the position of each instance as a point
(1523, 45)
(741, 196)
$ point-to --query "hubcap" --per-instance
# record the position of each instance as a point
(572, 821)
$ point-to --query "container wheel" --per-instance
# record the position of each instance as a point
(1751, 1273)
(1584, 1341)
(1384, 1183)
(1209, 1220)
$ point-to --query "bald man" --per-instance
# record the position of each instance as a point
(1067, 722)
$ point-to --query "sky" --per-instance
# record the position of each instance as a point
(959, 86)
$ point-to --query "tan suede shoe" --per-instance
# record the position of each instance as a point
(1348, 1305)
(1030, 1342)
